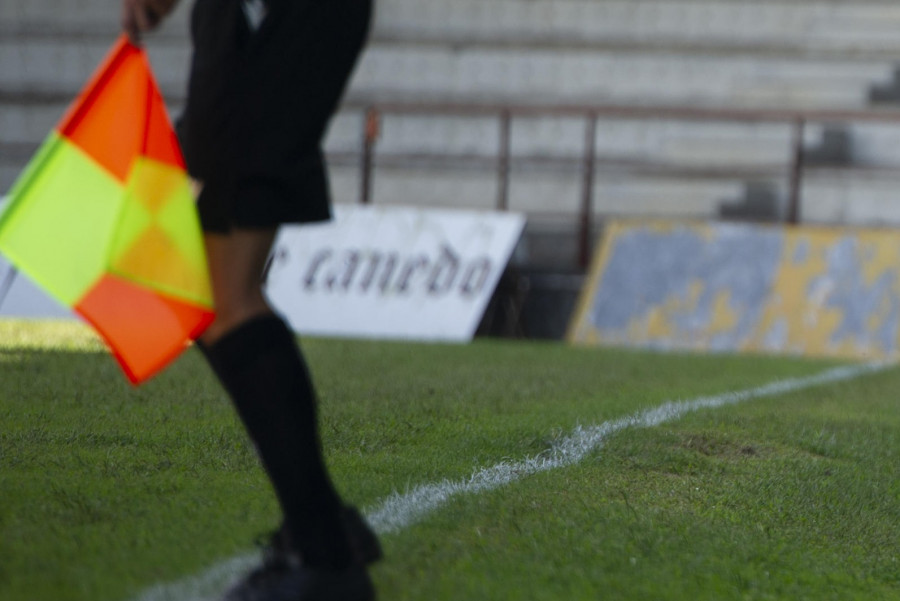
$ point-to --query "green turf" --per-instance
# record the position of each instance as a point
(106, 489)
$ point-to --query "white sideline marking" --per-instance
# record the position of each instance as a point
(399, 511)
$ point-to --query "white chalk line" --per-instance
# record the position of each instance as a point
(401, 510)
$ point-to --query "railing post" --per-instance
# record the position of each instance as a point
(587, 192)
(796, 172)
(371, 129)
(503, 159)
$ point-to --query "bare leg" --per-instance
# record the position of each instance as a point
(236, 263)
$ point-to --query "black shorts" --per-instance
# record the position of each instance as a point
(258, 105)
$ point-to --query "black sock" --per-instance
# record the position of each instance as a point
(260, 365)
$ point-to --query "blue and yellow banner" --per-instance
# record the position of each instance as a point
(814, 291)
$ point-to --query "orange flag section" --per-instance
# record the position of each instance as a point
(103, 218)
(146, 330)
(121, 114)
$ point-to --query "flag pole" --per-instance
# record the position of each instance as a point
(7, 283)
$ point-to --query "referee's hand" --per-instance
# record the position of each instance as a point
(140, 16)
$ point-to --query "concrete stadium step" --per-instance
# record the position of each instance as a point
(391, 71)
(851, 196)
(689, 144)
(682, 142)
(800, 25)
(39, 68)
(812, 25)
(686, 144)
(550, 143)
(539, 193)
(51, 67)
(51, 18)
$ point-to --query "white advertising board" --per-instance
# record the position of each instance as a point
(391, 272)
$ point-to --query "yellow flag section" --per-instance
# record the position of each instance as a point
(727, 287)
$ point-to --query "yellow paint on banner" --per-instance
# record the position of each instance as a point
(797, 303)
(724, 318)
(832, 292)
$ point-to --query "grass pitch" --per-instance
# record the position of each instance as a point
(106, 490)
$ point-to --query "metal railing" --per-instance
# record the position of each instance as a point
(506, 113)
